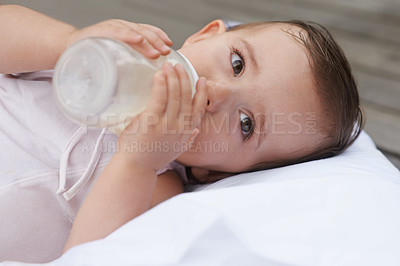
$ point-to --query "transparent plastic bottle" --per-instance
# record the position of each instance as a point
(102, 82)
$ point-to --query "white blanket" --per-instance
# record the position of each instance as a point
(338, 211)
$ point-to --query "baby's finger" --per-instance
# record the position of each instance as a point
(192, 137)
(154, 40)
(174, 94)
(160, 33)
(131, 33)
(199, 102)
(128, 36)
(148, 28)
(117, 28)
(186, 92)
(158, 98)
(146, 49)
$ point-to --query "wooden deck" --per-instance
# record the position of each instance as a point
(368, 30)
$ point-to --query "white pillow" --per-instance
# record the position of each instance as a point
(338, 211)
(361, 158)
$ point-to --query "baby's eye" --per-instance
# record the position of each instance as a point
(246, 125)
(237, 63)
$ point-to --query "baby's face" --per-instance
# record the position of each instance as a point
(263, 105)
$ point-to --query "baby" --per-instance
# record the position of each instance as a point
(270, 94)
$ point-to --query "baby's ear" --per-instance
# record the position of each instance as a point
(215, 27)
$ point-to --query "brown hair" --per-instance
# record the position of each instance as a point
(335, 86)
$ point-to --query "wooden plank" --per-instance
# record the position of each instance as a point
(179, 21)
(383, 126)
(395, 160)
(192, 12)
(374, 57)
(378, 90)
(67, 11)
(285, 9)
(383, 11)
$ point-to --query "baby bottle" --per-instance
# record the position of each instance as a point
(102, 82)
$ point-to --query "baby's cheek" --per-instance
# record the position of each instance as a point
(203, 151)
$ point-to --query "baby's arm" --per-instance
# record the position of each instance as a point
(125, 188)
(168, 185)
(31, 41)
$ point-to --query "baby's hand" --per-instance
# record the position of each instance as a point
(169, 123)
(146, 39)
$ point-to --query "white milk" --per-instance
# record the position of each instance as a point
(101, 82)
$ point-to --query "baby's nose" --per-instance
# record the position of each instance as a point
(218, 93)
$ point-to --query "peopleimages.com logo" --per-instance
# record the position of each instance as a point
(276, 123)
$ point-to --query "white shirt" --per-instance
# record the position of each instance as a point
(47, 166)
